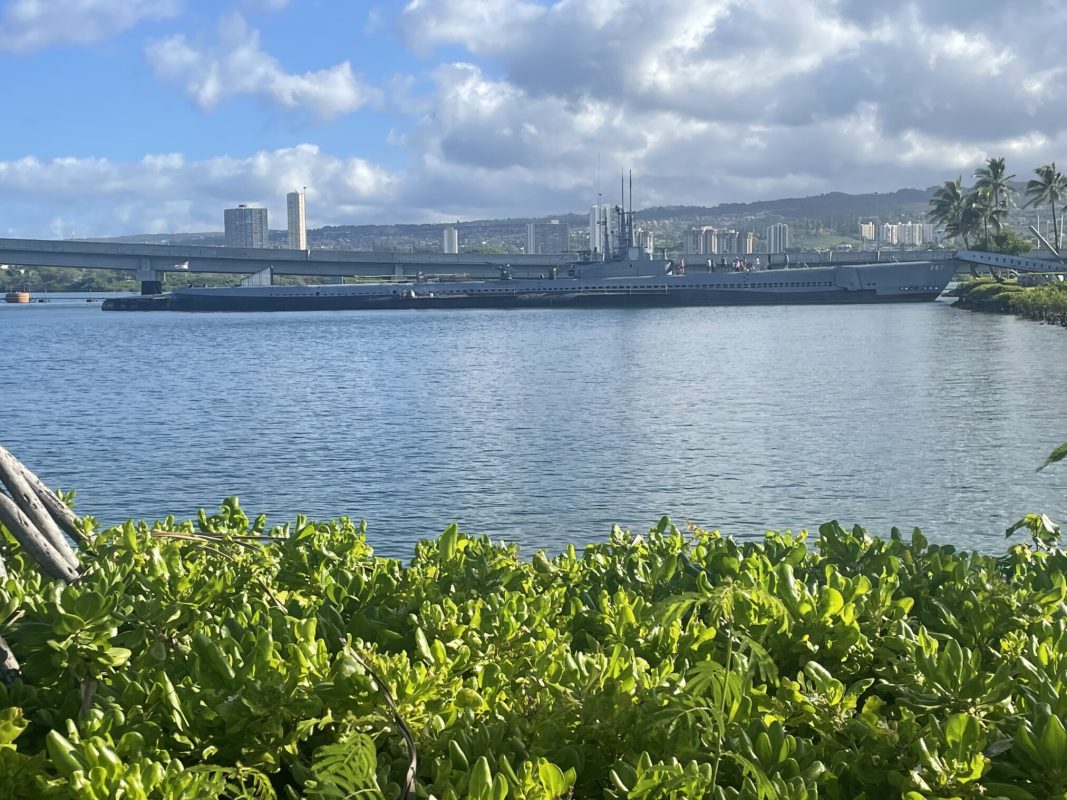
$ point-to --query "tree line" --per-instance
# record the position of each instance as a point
(967, 214)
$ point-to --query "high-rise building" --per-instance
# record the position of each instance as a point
(777, 238)
(747, 241)
(702, 240)
(298, 234)
(646, 240)
(246, 227)
(913, 233)
(548, 237)
(694, 240)
(709, 240)
(451, 240)
(727, 241)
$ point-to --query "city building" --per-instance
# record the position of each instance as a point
(893, 233)
(451, 240)
(747, 241)
(298, 234)
(694, 240)
(702, 240)
(605, 230)
(777, 238)
(246, 226)
(548, 237)
(727, 241)
(646, 240)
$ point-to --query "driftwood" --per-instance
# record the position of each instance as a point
(36, 544)
(37, 519)
(11, 474)
(60, 511)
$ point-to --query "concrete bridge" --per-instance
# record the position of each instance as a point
(150, 261)
(1002, 261)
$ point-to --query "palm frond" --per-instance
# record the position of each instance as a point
(345, 769)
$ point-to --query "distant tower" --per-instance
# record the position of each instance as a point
(246, 226)
(451, 240)
(778, 237)
(543, 238)
(646, 240)
(298, 234)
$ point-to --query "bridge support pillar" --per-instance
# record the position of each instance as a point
(151, 279)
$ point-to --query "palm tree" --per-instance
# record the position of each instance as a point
(950, 207)
(981, 207)
(994, 178)
(1050, 187)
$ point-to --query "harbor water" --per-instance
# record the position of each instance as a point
(545, 427)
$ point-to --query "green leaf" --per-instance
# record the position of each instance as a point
(1056, 455)
(1053, 741)
(961, 732)
(830, 602)
(11, 725)
(469, 698)
(551, 778)
(446, 544)
(481, 780)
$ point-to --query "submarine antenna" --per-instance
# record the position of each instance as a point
(633, 239)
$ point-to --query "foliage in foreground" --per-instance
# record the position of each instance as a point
(672, 665)
(1047, 303)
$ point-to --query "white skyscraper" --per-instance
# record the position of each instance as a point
(451, 240)
(298, 235)
(646, 240)
(777, 238)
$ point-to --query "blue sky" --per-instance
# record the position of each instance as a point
(138, 116)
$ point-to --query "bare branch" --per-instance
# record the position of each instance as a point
(59, 510)
(11, 470)
(36, 544)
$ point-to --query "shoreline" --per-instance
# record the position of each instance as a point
(1046, 303)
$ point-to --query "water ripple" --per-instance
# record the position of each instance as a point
(546, 427)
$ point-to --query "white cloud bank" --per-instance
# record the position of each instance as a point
(29, 25)
(167, 192)
(706, 100)
(726, 100)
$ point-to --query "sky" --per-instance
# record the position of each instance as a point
(152, 116)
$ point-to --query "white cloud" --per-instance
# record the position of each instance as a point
(167, 192)
(236, 65)
(29, 25)
(428, 23)
(706, 100)
(738, 99)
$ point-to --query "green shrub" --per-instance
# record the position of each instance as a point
(189, 661)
